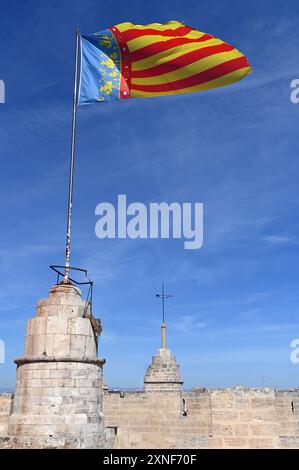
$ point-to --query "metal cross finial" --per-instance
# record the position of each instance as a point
(163, 296)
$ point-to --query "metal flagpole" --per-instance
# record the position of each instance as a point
(71, 176)
(163, 304)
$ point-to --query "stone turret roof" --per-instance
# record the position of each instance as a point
(163, 373)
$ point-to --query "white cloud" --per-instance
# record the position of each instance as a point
(276, 239)
(188, 323)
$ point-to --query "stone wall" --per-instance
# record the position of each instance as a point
(61, 401)
(244, 419)
(5, 410)
(156, 420)
(201, 418)
(287, 412)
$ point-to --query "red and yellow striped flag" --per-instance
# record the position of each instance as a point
(161, 59)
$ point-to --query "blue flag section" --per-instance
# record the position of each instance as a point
(100, 68)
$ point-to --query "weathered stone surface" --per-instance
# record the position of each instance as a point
(5, 411)
(163, 373)
(155, 419)
(60, 395)
(58, 398)
(224, 418)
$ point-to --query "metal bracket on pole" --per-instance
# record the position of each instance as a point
(95, 322)
(57, 268)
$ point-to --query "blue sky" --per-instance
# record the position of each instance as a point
(235, 305)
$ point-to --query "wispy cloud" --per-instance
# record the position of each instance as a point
(11, 324)
(188, 324)
(108, 336)
(241, 356)
(252, 314)
(279, 327)
(277, 239)
(11, 256)
(234, 149)
(256, 297)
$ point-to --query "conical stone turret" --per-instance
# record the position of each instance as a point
(164, 372)
(58, 399)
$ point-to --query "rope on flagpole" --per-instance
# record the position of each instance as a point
(71, 176)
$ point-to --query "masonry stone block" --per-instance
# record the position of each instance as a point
(78, 345)
(58, 393)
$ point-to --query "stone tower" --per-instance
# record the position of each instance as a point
(58, 399)
(164, 372)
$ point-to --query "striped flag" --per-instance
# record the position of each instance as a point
(143, 61)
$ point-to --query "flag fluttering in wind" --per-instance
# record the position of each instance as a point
(142, 61)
